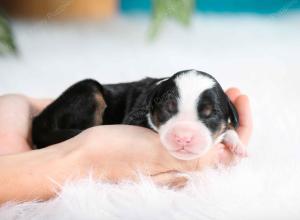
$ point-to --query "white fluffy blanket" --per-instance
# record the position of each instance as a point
(259, 55)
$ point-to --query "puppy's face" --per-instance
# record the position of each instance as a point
(190, 112)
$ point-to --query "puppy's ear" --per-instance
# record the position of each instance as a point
(233, 114)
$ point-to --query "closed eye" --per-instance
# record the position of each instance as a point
(171, 106)
(206, 110)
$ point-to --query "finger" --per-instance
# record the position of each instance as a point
(163, 177)
(245, 118)
(173, 179)
(178, 183)
(233, 93)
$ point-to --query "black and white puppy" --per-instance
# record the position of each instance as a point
(189, 111)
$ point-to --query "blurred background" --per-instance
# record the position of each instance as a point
(47, 45)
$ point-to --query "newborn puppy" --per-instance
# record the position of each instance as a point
(188, 110)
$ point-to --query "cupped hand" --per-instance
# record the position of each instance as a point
(115, 151)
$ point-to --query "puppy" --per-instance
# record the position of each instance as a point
(189, 110)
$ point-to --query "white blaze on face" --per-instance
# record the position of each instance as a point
(184, 135)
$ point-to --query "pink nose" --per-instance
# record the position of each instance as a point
(183, 139)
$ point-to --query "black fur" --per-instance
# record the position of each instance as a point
(73, 111)
(68, 115)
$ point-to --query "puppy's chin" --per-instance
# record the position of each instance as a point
(183, 155)
(187, 155)
(201, 138)
(189, 152)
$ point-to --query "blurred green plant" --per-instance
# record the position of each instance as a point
(180, 10)
(7, 43)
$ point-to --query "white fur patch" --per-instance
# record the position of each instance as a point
(190, 86)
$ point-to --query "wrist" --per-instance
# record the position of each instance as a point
(34, 174)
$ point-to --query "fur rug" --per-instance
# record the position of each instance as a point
(259, 55)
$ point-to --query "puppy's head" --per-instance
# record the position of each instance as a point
(190, 112)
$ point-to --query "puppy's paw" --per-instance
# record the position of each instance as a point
(171, 179)
(232, 141)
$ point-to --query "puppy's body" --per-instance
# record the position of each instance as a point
(127, 103)
(189, 110)
(87, 104)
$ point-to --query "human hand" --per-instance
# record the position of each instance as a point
(129, 146)
(114, 152)
(16, 112)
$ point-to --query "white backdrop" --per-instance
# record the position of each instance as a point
(260, 55)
